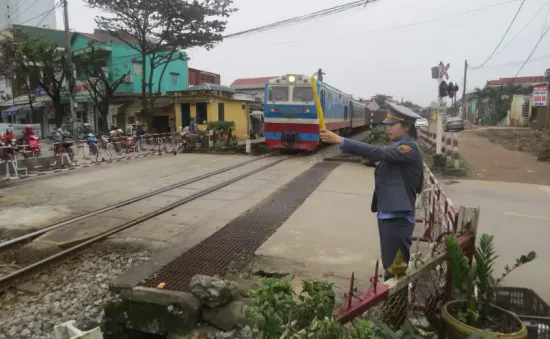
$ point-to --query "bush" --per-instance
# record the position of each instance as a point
(278, 312)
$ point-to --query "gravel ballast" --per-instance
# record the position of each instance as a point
(75, 290)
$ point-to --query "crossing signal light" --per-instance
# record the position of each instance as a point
(452, 90)
(443, 88)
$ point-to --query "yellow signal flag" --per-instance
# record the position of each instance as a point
(318, 103)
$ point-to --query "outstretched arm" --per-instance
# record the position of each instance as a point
(397, 154)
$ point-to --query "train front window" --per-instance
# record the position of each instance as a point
(278, 93)
(304, 94)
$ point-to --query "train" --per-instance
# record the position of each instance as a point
(291, 120)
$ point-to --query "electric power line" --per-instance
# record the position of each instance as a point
(542, 57)
(502, 39)
(401, 26)
(524, 27)
(302, 18)
(26, 9)
(533, 51)
(39, 15)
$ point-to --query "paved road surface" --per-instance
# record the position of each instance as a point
(519, 217)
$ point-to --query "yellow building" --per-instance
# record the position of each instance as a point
(209, 102)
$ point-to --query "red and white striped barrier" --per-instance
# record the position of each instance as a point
(449, 148)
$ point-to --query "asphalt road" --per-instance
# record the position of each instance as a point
(518, 215)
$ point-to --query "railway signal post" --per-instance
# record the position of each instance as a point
(438, 73)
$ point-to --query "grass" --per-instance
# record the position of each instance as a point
(428, 156)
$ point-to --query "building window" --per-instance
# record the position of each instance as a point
(202, 113)
(136, 68)
(175, 78)
(221, 111)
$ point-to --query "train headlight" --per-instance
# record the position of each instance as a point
(291, 78)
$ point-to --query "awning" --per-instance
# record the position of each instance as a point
(14, 109)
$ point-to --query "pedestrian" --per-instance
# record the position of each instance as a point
(398, 178)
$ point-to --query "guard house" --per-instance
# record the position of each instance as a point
(210, 102)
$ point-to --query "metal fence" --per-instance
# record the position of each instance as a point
(415, 299)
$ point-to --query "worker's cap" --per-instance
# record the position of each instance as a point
(397, 114)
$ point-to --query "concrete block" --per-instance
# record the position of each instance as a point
(155, 311)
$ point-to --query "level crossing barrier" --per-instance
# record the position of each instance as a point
(416, 297)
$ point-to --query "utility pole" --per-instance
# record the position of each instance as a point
(464, 105)
(547, 78)
(70, 68)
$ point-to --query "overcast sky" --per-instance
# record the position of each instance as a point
(387, 47)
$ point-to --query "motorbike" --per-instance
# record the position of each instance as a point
(31, 146)
(92, 143)
(8, 148)
(65, 146)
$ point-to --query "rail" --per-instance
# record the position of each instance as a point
(10, 279)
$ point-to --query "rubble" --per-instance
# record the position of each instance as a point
(520, 139)
(213, 291)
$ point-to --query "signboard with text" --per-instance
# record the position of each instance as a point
(539, 95)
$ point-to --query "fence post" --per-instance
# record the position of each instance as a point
(468, 219)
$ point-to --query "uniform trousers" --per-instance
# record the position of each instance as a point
(395, 234)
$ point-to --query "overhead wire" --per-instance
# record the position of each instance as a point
(533, 51)
(302, 18)
(503, 36)
(524, 27)
(41, 14)
(446, 17)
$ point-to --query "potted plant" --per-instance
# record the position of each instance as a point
(471, 312)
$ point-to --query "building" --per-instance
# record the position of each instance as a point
(255, 86)
(197, 77)
(211, 102)
(31, 13)
(123, 61)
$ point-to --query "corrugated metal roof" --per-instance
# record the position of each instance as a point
(516, 81)
(209, 88)
(94, 37)
(251, 81)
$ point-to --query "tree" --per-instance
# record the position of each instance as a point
(33, 61)
(381, 100)
(158, 29)
(499, 99)
(101, 84)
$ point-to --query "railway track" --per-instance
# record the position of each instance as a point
(26, 272)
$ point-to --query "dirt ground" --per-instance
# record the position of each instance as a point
(507, 155)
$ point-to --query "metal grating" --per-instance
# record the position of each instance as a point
(242, 236)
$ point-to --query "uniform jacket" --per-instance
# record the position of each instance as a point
(397, 177)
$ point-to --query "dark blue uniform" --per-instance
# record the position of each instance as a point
(397, 180)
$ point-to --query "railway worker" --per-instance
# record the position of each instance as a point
(398, 178)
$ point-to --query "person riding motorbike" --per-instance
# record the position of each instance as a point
(62, 133)
(8, 136)
(28, 133)
(87, 129)
(8, 143)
